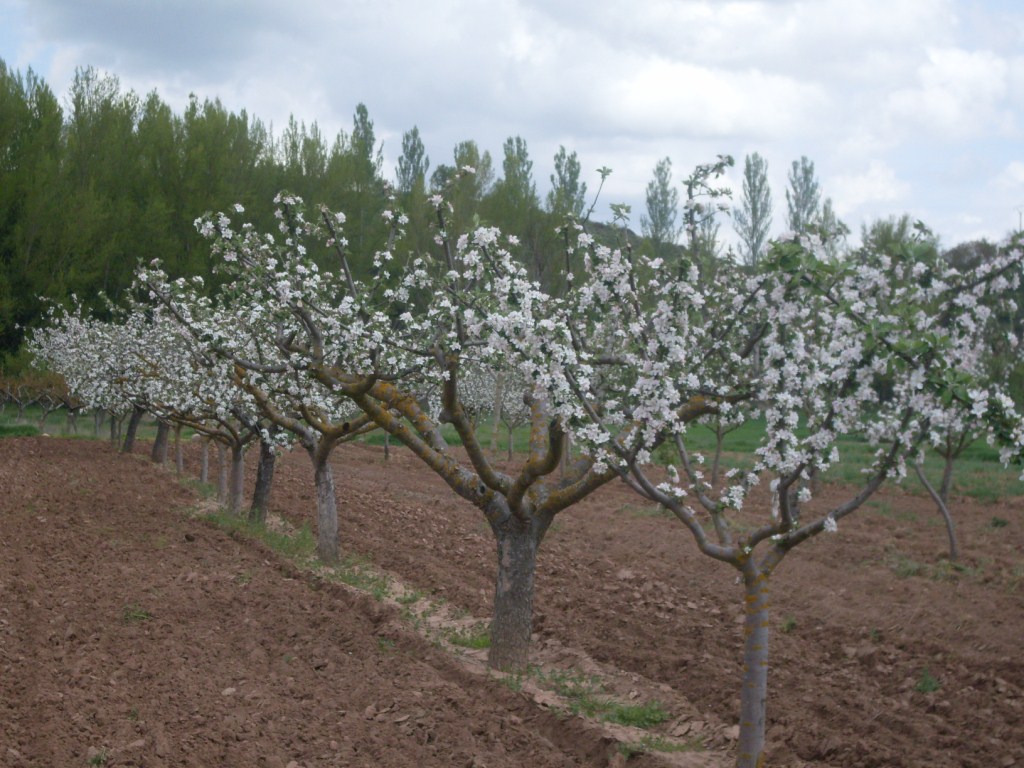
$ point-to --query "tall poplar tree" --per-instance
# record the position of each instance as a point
(753, 218)
(568, 194)
(803, 196)
(659, 223)
(413, 164)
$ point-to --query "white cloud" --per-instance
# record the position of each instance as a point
(958, 93)
(877, 184)
(916, 104)
(1012, 178)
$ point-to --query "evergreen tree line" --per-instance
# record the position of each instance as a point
(91, 186)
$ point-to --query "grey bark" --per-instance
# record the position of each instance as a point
(954, 549)
(236, 488)
(264, 483)
(179, 455)
(754, 695)
(204, 460)
(326, 508)
(159, 453)
(947, 478)
(133, 427)
(222, 473)
(518, 540)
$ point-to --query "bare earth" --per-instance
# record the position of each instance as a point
(134, 635)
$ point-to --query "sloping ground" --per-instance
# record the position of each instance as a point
(131, 635)
(883, 654)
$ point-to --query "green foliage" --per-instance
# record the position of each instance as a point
(86, 191)
(568, 194)
(18, 430)
(298, 544)
(803, 197)
(753, 219)
(927, 682)
(659, 223)
(585, 698)
(659, 744)
(132, 614)
(359, 573)
(473, 637)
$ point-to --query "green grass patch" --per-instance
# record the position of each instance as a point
(885, 509)
(944, 570)
(477, 638)
(640, 510)
(205, 490)
(411, 597)
(133, 614)
(298, 544)
(18, 430)
(927, 682)
(585, 697)
(358, 572)
(660, 744)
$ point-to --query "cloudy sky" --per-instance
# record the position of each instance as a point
(903, 105)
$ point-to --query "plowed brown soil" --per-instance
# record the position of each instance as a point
(240, 661)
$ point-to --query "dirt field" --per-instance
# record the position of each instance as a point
(131, 634)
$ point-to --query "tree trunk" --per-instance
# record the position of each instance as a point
(326, 509)
(179, 455)
(954, 549)
(753, 697)
(512, 625)
(264, 483)
(566, 455)
(204, 460)
(159, 452)
(115, 424)
(947, 479)
(237, 487)
(133, 427)
(387, 446)
(97, 422)
(222, 473)
(511, 443)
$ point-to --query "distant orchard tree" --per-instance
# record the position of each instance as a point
(803, 196)
(753, 217)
